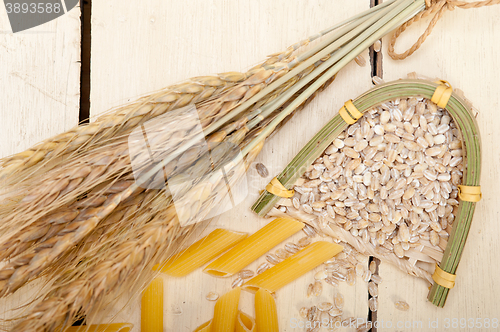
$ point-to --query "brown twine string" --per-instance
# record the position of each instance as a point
(439, 7)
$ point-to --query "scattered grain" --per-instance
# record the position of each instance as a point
(237, 282)
(245, 274)
(262, 170)
(402, 305)
(317, 288)
(360, 60)
(373, 304)
(262, 267)
(373, 289)
(212, 296)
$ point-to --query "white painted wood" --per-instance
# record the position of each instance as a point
(40, 81)
(463, 50)
(39, 95)
(137, 49)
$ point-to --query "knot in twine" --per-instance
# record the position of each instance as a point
(437, 7)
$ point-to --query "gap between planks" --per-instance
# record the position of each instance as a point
(376, 70)
(86, 44)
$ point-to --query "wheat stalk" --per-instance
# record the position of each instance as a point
(64, 185)
(149, 227)
(70, 228)
(89, 246)
(84, 288)
(122, 120)
(88, 172)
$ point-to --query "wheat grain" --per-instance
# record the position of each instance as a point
(360, 60)
(402, 305)
(389, 191)
(212, 296)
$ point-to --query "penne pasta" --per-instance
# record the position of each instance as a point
(201, 252)
(245, 323)
(115, 327)
(253, 247)
(226, 311)
(205, 327)
(266, 315)
(293, 267)
(152, 307)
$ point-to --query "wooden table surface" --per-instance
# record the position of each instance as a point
(138, 47)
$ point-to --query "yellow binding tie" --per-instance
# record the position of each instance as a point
(443, 278)
(470, 193)
(276, 188)
(442, 94)
(350, 113)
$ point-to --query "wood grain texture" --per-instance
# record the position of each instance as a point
(137, 49)
(40, 81)
(39, 95)
(463, 49)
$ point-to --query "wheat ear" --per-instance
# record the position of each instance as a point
(122, 120)
(21, 269)
(93, 283)
(64, 236)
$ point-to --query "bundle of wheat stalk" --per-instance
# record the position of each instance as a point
(89, 210)
(92, 217)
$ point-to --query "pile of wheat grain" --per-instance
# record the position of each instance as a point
(390, 180)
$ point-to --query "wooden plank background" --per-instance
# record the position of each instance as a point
(40, 81)
(39, 93)
(154, 46)
(138, 48)
(462, 50)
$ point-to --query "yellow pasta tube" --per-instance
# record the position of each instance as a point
(201, 252)
(205, 327)
(253, 247)
(266, 315)
(293, 267)
(152, 307)
(245, 323)
(115, 327)
(226, 311)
